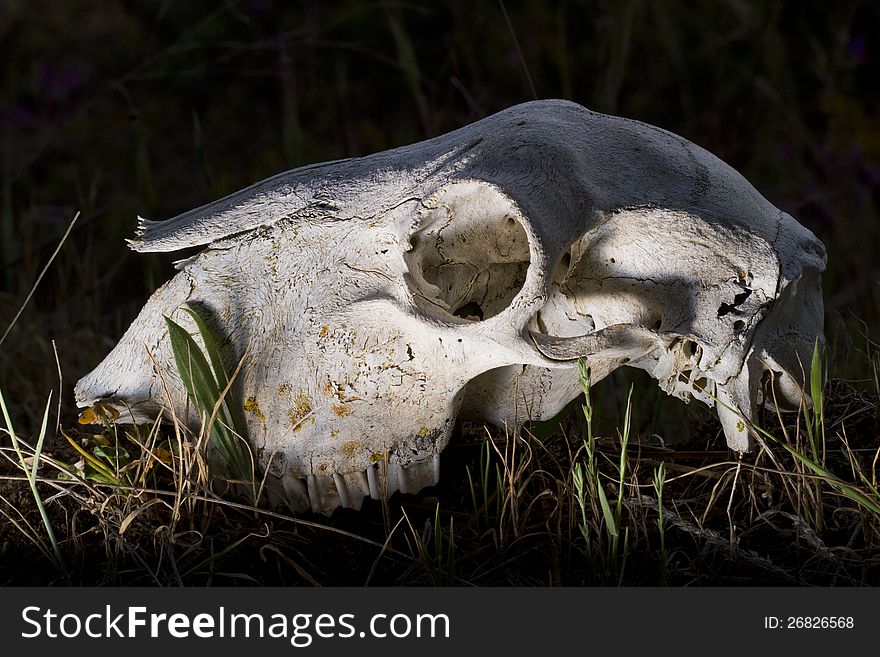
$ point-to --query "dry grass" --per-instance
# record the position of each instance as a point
(508, 512)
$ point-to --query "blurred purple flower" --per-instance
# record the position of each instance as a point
(18, 116)
(58, 83)
(857, 47)
(784, 151)
(850, 155)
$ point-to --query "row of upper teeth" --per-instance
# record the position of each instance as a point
(323, 493)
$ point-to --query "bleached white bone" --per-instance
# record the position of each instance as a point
(380, 298)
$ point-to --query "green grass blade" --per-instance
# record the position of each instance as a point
(92, 461)
(473, 490)
(450, 554)
(485, 462)
(203, 388)
(31, 474)
(584, 375)
(438, 535)
(849, 491)
(195, 373)
(211, 348)
(209, 338)
(44, 515)
(610, 522)
(817, 378)
(624, 444)
(39, 448)
(817, 392)
(577, 475)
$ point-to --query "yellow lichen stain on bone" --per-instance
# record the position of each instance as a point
(325, 331)
(350, 447)
(252, 406)
(423, 431)
(340, 410)
(300, 411)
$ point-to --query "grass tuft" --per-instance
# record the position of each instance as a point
(30, 472)
(208, 387)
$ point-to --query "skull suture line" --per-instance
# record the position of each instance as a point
(380, 298)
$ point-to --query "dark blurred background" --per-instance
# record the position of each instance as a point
(116, 108)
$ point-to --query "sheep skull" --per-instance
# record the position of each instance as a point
(378, 299)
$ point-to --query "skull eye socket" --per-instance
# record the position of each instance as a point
(471, 258)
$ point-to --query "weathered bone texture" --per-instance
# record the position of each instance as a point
(378, 299)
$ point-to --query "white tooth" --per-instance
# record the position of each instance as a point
(359, 480)
(392, 479)
(420, 474)
(427, 472)
(314, 498)
(296, 492)
(293, 486)
(323, 493)
(403, 479)
(341, 490)
(358, 487)
(373, 484)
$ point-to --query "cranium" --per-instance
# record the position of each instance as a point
(377, 299)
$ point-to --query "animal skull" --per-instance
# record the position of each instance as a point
(377, 299)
